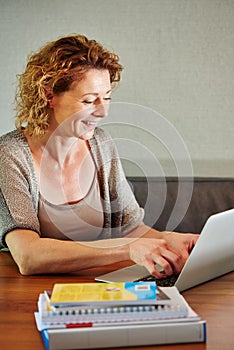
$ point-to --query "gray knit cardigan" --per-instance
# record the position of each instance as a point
(19, 193)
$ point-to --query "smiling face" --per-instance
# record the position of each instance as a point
(79, 109)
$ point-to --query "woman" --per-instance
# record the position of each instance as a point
(63, 193)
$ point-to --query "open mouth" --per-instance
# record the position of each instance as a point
(90, 124)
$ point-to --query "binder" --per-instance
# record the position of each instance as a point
(130, 335)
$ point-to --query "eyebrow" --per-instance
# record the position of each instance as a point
(94, 93)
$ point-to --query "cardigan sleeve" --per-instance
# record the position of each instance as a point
(122, 213)
(125, 209)
(18, 204)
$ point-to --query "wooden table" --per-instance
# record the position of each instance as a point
(213, 301)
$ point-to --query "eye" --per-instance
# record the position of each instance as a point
(88, 102)
(107, 98)
(97, 100)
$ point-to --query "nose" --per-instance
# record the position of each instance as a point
(101, 109)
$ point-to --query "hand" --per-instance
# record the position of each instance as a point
(150, 252)
(170, 252)
(181, 243)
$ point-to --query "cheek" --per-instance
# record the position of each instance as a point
(65, 111)
(64, 103)
(82, 112)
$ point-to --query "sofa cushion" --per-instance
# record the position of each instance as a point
(182, 204)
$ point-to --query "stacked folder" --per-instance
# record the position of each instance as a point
(104, 315)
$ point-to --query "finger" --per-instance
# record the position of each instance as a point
(193, 242)
(163, 266)
(150, 266)
(174, 262)
(159, 267)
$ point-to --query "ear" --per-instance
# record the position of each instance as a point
(49, 95)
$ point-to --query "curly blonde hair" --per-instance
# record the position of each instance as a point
(54, 68)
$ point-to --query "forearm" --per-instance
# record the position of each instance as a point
(144, 231)
(35, 255)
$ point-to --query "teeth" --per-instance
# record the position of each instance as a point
(91, 123)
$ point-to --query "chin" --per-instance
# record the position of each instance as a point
(87, 136)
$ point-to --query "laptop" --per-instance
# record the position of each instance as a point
(212, 256)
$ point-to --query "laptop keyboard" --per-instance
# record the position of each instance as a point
(161, 282)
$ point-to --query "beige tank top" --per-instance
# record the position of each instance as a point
(82, 221)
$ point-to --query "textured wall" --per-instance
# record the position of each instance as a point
(179, 63)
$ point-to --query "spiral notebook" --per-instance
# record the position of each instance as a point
(90, 316)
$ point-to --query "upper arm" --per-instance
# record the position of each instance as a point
(18, 193)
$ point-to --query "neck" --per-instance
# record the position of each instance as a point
(55, 145)
(59, 147)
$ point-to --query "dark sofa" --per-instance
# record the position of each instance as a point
(182, 204)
